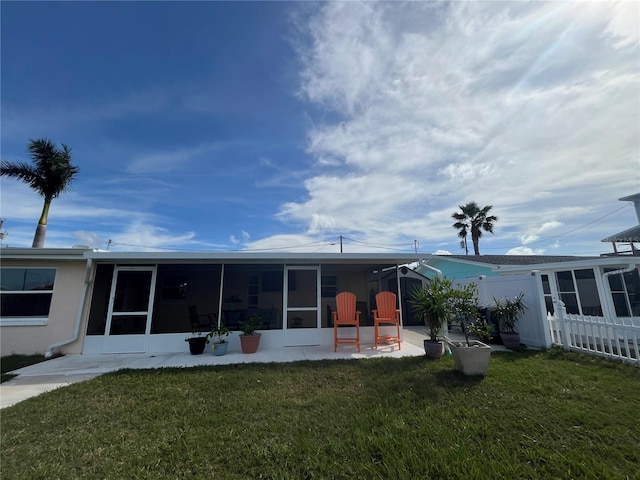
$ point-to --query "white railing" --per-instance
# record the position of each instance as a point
(617, 338)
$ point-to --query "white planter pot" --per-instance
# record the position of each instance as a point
(472, 360)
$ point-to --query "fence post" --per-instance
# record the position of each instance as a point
(561, 310)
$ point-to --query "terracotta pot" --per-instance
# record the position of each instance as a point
(249, 343)
(433, 348)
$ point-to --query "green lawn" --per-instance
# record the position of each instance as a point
(537, 415)
(13, 362)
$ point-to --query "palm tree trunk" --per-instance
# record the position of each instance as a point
(41, 229)
(476, 244)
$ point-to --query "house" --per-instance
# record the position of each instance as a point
(606, 287)
(468, 266)
(42, 289)
(126, 302)
(630, 236)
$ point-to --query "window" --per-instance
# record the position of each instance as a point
(625, 292)
(25, 295)
(579, 292)
(567, 291)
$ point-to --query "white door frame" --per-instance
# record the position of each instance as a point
(301, 336)
(129, 343)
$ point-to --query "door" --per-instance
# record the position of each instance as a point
(302, 306)
(129, 314)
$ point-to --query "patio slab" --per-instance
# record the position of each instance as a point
(62, 371)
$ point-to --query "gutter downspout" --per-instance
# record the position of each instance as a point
(424, 264)
(609, 299)
(88, 279)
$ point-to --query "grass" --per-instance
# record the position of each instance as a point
(537, 415)
(13, 362)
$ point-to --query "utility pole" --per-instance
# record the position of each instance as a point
(416, 245)
(340, 243)
(3, 235)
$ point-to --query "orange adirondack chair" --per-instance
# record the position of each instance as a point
(346, 315)
(386, 314)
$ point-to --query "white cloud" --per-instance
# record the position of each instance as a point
(167, 161)
(532, 108)
(525, 251)
(144, 237)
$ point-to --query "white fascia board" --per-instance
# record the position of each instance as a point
(43, 253)
(252, 257)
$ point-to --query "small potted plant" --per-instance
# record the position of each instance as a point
(218, 335)
(250, 339)
(197, 342)
(506, 311)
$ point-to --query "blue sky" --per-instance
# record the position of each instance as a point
(283, 125)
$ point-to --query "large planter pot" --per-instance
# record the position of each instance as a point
(433, 348)
(473, 359)
(197, 344)
(249, 343)
(220, 349)
(510, 340)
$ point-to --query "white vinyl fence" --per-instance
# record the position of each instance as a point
(617, 337)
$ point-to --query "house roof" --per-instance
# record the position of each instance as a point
(577, 263)
(492, 260)
(630, 198)
(528, 263)
(629, 235)
(237, 257)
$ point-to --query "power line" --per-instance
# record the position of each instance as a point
(580, 227)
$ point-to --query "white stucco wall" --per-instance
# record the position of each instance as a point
(65, 302)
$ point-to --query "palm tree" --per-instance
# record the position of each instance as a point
(474, 219)
(50, 175)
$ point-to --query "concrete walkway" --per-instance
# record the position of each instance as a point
(59, 372)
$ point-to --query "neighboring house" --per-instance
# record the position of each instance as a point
(468, 266)
(629, 237)
(138, 302)
(607, 287)
(40, 297)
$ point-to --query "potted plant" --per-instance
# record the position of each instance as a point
(506, 312)
(218, 335)
(250, 339)
(434, 303)
(472, 356)
(197, 342)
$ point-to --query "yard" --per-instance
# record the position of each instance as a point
(537, 415)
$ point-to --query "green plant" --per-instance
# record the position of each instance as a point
(507, 310)
(194, 334)
(250, 326)
(480, 328)
(219, 333)
(439, 300)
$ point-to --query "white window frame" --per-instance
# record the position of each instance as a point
(28, 321)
